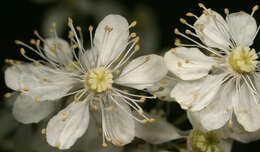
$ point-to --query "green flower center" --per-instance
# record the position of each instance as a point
(99, 80)
(243, 59)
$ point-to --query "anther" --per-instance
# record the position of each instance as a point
(137, 47)
(32, 41)
(136, 40)
(35, 32)
(54, 24)
(183, 21)
(70, 35)
(133, 24)
(176, 31)
(147, 58)
(144, 121)
(7, 95)
(152, 120)
(195, 95)
(22, 51)
(177, 42)
(255, 8)
(59, 46)
(53, 49)
(18, 42)
(206, 12)
(119, 142)
(212, 54)
(90, 28)
(226, 11)
(163, 82)
(187, 31)
(78, 28)
(117, 72)
(142, 99)
(189, 14)
(43, 131)
(58, 144)
(94, 107)
(64, 113)
(230, 124)
(109, 139)
(173, 50)
(38, 43)
(201, 5)
(187, 61)
(140, 111)
(36, 63)
(111, 108)
(108, 28)
(133, 35)
(70, 22)
(64, 119)
(104, 145)
(160, 88)
(190, 106)
(37, 99)
(155, 95)
(26, 89)
(179, 64)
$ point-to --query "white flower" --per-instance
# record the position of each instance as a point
(225, 81)
(95, 79)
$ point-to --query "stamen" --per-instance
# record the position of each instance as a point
(43, 131)
(7, 95)
(133, 24)
(226, 11)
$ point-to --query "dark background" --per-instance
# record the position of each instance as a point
(18, 19)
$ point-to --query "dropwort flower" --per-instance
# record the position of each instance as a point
(94, 77)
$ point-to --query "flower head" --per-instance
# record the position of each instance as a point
(223, 81)
(94, 78)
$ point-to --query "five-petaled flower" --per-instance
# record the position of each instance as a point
(225, 80)
(95, 78)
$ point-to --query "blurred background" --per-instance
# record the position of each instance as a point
(156, 22)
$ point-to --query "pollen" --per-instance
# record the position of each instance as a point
(195, 95)
(243, 60)
(99, 80)
(7, 95)
(142, 99)
(163, 82)
(108, 28)
(37, 99)
(179, 64)
(173, 50)
(43, 131)
(104, 145)
(152, 120)
(58, 144)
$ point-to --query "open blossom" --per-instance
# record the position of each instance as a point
(94, 78)
(225, 80)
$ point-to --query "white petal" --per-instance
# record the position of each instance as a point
(197, 94)
(28, 76)
(68, 125)
(247, 108)
(58, 50)
(238, 133)
(163, 88)
(110, 44)
(242, 27)
(188, 63)
(226, 145)
(88, 59)
(143, 72)
(215, 30)
(158, 132)
(26, 110)
(119, 125)
(218, 112)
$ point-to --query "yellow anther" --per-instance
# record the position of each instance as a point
(140, 111)
(177, 42)
(189, 14)
(70, 22)
(21, 94)
(201, 28)
(162, 97)
(187, 61)
(144, 121)
(78, 28)
(94, 107)
(7, 95)
(155, 95)
(212, 54)
(70, 35)
(137, 39)
(160, 88)
(38, 42)
(206, 12)
(53, 49)
(163, 82)
(104, 145)
(54, 24)
(179, 64)
(26, 89)
(183, 21)
(176, 31)
(109, 139)
(219, 60)
(202, 38)
(152, 120)
(74, 46)
(255, 8)
(117, 72)
(133, 24)
(230, 124)
(22, 51)
(58, 144)
(17, 62)
(11, 61)
(147, 58)
(213, 67)
(142, 99)
(17, 42)
(90, 28)
(119, 142)
(59, 46)
(36, 63)
(37, 99)
(108, 28)
(35, 32)
(226, 11)
(137, 47)
(43, 131)
(190, 106)
(32, 41)
(188, 32)
(64, 119)
(201, 5)
(111, 108)
(133, 35)
(173, 50)
(125, 91)
(45, 79)
(196, 95)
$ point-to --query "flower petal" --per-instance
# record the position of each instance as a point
(58, 50)
(26, 110)
(39, 82)
(188, 63)
(247, 108)
(242, 27)
(158, 132)
(218, 112)
(68, 125)
(142, 72)
(163, 88)
(88, 59)
(214, 30)
(119, 125)
(197, 94)
(111, 43)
